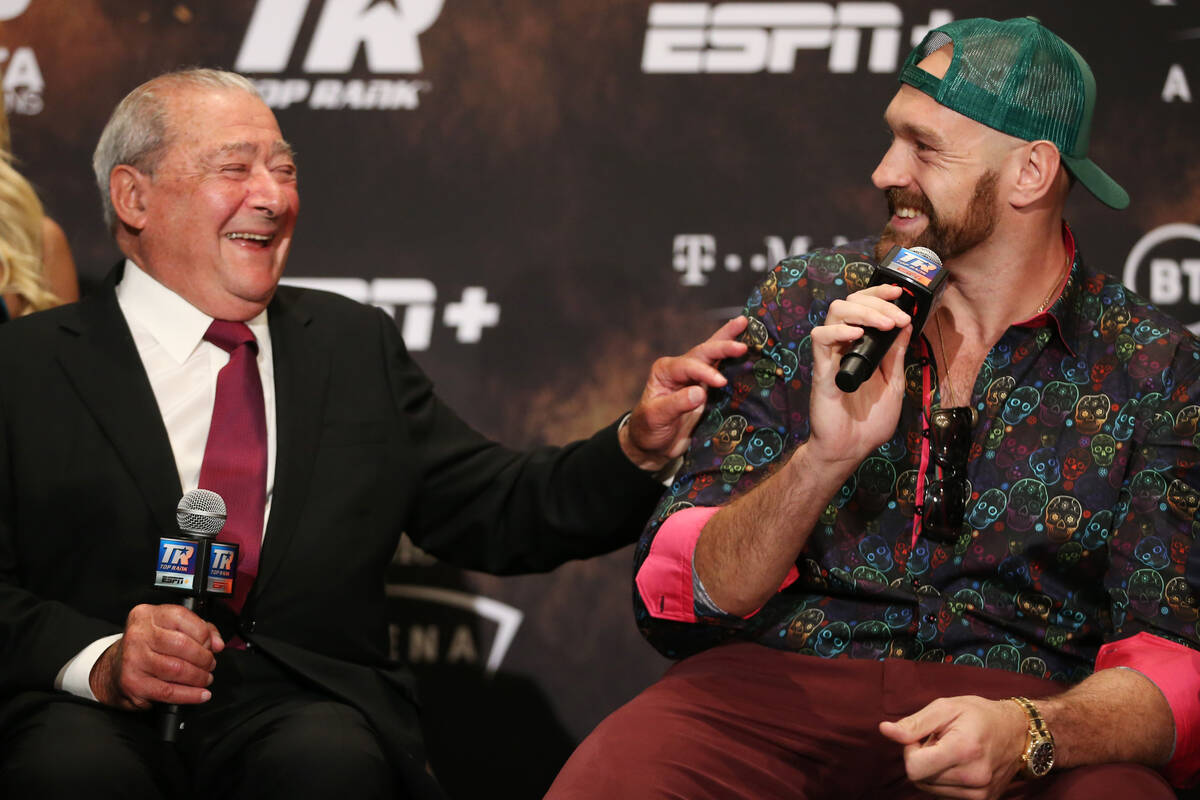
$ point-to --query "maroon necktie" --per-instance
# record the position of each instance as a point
(235, 457)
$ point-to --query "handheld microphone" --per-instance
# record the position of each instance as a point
(919, 273)
(195, 565)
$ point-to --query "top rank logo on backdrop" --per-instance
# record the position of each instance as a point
(753, 37)
(385, 30)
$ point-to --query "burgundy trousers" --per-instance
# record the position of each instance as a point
(747, 721)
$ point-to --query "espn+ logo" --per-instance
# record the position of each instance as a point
(410, 301)
(387, 33)
(753, 37)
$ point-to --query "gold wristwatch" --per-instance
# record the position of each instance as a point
(1038, 758)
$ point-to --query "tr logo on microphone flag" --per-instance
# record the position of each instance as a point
(176, 564)
(915, 266)
(222, 564)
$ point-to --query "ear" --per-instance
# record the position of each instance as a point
(128, 188)
(1038, 167)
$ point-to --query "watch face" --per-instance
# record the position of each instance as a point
(1042, 758)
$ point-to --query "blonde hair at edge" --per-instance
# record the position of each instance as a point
(21, 270)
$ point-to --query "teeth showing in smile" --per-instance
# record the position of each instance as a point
(254, 237)
(906, 213)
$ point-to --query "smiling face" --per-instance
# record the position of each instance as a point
(214, 221)
(941, 173)
(948, 234)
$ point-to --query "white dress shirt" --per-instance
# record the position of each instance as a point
(169, 335)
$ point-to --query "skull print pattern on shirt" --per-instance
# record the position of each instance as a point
(1084, 476)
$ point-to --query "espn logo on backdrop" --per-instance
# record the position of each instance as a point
(386, 33)
(757, 37)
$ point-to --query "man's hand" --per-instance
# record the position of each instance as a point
(661, 425)
(848, 426)
(167, 655)
(964, 747)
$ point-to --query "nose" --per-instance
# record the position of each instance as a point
(266, 194)
(889, 173)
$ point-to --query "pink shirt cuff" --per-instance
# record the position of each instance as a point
(1175, 670)
(665, 579)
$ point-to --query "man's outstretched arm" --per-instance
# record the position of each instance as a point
(660, 426)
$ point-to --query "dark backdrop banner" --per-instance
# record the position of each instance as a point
(549, 193)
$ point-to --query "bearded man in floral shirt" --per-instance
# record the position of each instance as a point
(974, 575)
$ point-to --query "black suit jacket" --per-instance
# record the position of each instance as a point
(365, 451)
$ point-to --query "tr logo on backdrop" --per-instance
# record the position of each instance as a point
(753, 37)
(386, 33)
(1164, 266)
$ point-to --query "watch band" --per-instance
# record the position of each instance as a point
(1038, 757)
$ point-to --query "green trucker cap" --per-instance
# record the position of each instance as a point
(1022, 79)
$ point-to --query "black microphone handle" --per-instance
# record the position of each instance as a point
(863, 357)
(169, 720)
(860, 361)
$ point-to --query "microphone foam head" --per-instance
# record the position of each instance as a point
(925, 251)
(201, 512)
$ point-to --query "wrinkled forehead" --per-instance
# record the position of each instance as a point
(206, 113)
(916, 115)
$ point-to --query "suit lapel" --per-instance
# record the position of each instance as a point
(301, 364)
(102, 364)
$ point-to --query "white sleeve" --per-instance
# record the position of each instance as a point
(75, 676)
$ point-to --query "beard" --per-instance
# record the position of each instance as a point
(948, 238)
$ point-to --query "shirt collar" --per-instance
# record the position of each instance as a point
(1060, 316)
(177, 325)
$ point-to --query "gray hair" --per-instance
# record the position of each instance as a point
(138, 132)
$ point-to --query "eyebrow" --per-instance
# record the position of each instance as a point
(280, 148)
(912, 131)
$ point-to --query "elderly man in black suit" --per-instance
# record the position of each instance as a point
(192, 367)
